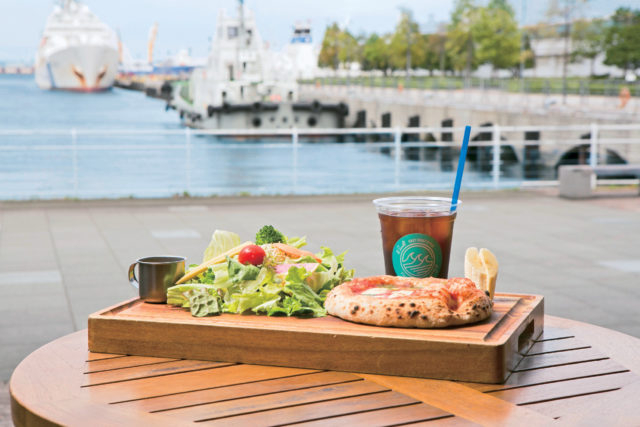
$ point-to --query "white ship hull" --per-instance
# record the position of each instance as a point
(82, 68)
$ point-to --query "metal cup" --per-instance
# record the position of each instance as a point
(156, 274)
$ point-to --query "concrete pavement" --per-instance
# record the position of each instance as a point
(61, 261)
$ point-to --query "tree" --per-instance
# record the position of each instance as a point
(328, 56)
(587, 39)
(496, 35)
(622, 40)
(460, 42)
(349, 47)
(564, 10)
(375, 53)
(338, 47)
(527, 55)
(406, 42)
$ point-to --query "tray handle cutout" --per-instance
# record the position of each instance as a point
(524, 340)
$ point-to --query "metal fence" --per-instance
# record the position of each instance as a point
(547, 86)
(91, 163)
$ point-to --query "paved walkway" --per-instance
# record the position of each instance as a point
(61, 261)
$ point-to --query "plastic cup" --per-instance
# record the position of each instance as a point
(416, 235)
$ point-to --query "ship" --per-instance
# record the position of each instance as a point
(77, 50)
(245, 85)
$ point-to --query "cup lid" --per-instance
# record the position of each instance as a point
(433, 205)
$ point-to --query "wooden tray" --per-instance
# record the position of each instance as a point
(482, 352)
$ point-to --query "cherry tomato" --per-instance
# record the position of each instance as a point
(252, 254)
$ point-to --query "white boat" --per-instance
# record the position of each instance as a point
(77, 50)
(245, 85)
(301, 52)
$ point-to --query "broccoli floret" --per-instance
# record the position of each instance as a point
(268, 234)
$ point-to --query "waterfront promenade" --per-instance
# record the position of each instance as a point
(61, 261)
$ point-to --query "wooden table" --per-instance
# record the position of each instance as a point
(574, 374)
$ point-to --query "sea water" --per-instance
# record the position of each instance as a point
(119, 143)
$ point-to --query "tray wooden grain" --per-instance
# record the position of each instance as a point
(483, 352)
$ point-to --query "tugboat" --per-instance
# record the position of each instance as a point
(245, 86)
(77, 51)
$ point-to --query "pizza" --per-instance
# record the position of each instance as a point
(409, 302)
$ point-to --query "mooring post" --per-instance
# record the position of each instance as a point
(593, 157)
(495, 164)
(187, 142)
(397, 146)
(294, 144)
(74, 148)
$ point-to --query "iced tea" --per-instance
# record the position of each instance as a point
(416, 235)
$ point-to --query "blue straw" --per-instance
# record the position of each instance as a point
(463, 157)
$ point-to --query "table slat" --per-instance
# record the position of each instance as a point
(565, 389)
(316, 410)
(461, 401)
(615, 408)
(446, 422)
(122, 362)
(560, 358)
(554, 333)
(553, 374)
(189, 381)
(411, 413)
(250, 389)
(149, 371)
(273, 401)
(102, 356)
(557, 345)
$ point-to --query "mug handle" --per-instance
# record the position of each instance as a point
(132, 276)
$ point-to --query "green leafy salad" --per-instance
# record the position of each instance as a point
(270, 276)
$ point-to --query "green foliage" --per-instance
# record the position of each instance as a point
(496, 35)
(338, 47)
(406, 45)
(622, 39)
(436, 56)
(587, 38)
(527, 55)
(328, 56)
(376, 53)
(460, 40)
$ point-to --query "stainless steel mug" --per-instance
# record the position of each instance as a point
(155, 275)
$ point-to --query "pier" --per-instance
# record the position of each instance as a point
(371, 106)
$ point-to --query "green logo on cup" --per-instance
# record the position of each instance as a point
(417, 255)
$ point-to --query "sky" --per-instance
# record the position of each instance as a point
(189, 24)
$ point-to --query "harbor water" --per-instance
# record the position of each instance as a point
(119, 143)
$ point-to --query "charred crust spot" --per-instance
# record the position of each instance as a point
(399, 317)
(388, 308)
(413, 304)
(423, 317)
(413, 313)
(487, 293)
(401, 304)
(474, 306)
(397, 311)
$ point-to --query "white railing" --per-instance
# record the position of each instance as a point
(391, 168)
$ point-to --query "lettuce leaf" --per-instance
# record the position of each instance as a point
(221, 242)
(239, 272)
(296, 242)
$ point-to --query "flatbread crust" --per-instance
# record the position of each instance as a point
(409, 302)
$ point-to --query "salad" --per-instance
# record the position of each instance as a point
(271, 275)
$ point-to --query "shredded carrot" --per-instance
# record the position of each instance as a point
(294, 252)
